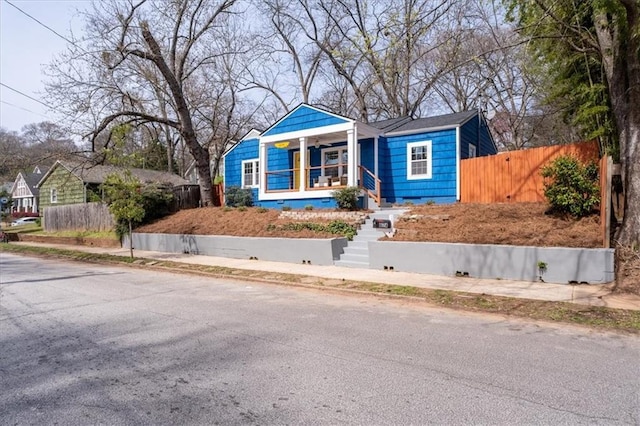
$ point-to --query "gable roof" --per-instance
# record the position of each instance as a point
(31, 179)
(299, 117)
(390, 124)
(96, 174)
(251, 134)
(440, 121)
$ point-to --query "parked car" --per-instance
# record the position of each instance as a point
(24, 221)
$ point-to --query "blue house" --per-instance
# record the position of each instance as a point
(306, 155)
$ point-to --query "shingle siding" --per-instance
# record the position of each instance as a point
(304, 118)
(440, 188)
(69, 188)
(469, 134)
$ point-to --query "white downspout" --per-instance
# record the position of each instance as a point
(262, 164)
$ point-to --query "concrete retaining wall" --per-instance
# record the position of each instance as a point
(564, 265)
(291, 250)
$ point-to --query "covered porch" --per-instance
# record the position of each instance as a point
(312, 163)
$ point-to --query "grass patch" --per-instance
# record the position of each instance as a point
(559, 312)
(111, 235)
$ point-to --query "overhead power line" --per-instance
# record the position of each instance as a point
(22, 108)
(39, 22)
(25, 95)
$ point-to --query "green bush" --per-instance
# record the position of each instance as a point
(347, 198)
(336, 227)
(571, 187)
(236, 197)
(261, 210)
(308, 207)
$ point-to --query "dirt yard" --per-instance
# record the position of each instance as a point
(510, 224)
(514, 224)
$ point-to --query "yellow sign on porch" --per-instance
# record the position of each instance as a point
(281, 144)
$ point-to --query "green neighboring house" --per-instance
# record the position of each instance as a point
(72, 183)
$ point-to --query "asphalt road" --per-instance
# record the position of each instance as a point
(88, 344)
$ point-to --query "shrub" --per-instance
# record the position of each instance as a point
(347, 198)
(308, 207)
(242, 209)
(286, 208)
(336, 227)
(261, 210)
(236, 197)
(571, 186)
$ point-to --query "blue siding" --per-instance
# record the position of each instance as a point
(367, 154)
(278, 159)
(441, 188)
(245, 150)
(304, 118)
(481, 139)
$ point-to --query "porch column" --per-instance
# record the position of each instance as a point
(262, 167)
(352, 158)
(303, 165)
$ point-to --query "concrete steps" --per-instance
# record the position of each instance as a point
(356, 254)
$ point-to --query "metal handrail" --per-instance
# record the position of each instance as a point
(370, 184)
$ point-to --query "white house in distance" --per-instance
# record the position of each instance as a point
(24, 192)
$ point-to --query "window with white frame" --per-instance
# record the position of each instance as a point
(54, 195)
(250, 173)
(473, 151)
(419, 160)
(335, 161)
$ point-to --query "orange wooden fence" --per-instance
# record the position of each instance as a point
(515, 176)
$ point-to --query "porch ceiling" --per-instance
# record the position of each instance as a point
(321, 139)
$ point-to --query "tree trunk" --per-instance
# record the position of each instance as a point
(629, 233)
(187, 131)
(619, 48)
(130, 239)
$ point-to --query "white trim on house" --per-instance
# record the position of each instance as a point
(429, 160)
(255, 173)
(251, 134)
(305, 133)
(54, 195)
(294, 195)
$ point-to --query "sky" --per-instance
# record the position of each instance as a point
(25, 47)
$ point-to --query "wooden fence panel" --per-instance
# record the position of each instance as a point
(515, 176)
(185, 197)
(78, 217)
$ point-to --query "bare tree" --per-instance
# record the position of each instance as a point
(137, 53)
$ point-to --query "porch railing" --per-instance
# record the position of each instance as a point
(285, 180)
(369, 183)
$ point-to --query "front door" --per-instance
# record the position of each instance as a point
(296, 169)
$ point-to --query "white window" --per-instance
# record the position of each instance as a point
(250, 173)
(335, 161)
(419, 160)
(54, 195)
(473, 151)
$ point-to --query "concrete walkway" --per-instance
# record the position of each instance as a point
(594, 295)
